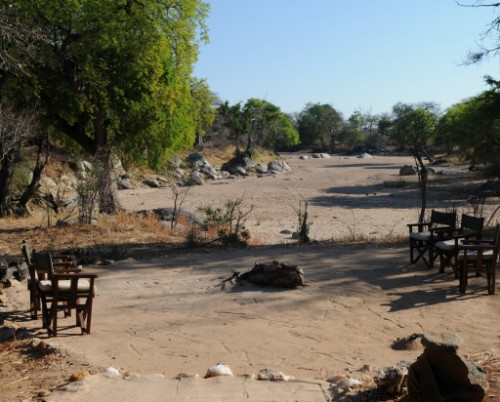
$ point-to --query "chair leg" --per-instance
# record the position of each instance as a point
(462, 277)
(490, 277)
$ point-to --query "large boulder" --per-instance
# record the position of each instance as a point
(240, 165)
(200, 164)
(440, 374)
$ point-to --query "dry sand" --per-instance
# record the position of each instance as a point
(176, 314)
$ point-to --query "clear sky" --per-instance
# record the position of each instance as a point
(352, 54)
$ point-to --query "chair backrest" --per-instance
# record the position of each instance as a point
(443, 218)
(496, 238)
(26, 253)
(471, 223)
(43, 264)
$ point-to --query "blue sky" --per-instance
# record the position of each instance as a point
(353, 54)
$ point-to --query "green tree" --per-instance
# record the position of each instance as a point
(113, 76)
(320, 123)
(352, 134)
(474, 127)
(414, 126)
(203, 107)
(269, 126)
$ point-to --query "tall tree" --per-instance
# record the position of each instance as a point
(320, 123)
(113, 75)
(269, 126)
(474, 127)
(414, 126)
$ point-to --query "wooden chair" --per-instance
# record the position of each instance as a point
(62, 263)
(470, 227)
(423, 241)
(479, 257)
(64, 292)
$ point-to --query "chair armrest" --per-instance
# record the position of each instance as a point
(64, 276)
(65, 270)
(419, 225)
(445, 233)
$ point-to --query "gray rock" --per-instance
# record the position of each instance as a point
(304, 157)
(260, 168)
(278, 166)
(123, 182)
(196, 179)
(408, 170)
(151, 183)
(239, 164)
(199, 162)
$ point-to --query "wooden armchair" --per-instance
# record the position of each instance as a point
(422, 242)
(62, 263)
(65, 292)
(479, 257)
(470, 227)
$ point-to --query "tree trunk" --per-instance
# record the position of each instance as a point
(105, 173)
(30, 191)
(332, 143)
(423, 174)
(6, 174)
(106, 182)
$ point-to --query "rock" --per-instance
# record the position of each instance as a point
(240, 165)
(447, 341)
(391, 380)
(440, 374)
(304, 157)
(166, 214)
(364, 156)
(117, 165)
(198, 161)
(219, 369)
(162, 181)
(260, 168)
(273, 375)
(321, 155)
(151, 183)
(196, 179)
(408, 170)
(123, 182)
(278, 166)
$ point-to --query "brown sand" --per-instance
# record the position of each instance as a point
(175, 314)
